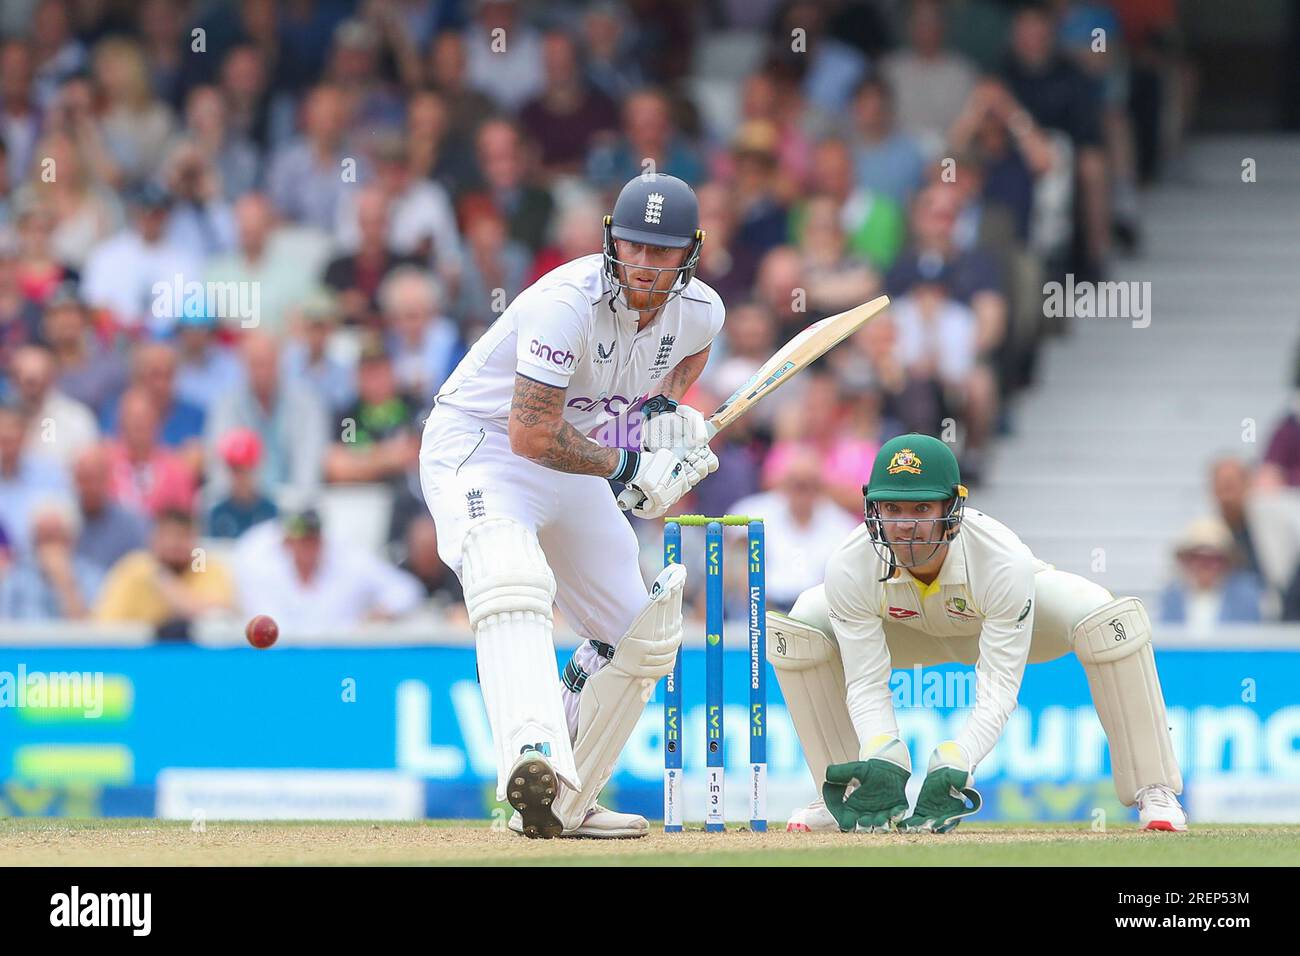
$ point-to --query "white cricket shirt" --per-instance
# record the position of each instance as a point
(570, 330)
(985, 588)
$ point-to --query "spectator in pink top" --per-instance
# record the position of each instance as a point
(816, 422)
(144, 474)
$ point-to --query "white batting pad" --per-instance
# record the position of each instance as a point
(509, 590)
(808, 668)
(1114, 644)
(613, 699)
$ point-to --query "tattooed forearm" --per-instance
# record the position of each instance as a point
(539, 432)
(571, 451)
(684, 375)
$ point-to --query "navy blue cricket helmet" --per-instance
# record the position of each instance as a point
(657, 210)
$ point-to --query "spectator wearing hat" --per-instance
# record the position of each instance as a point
(286, 414)
(168, 586)
(108, 529)
(379, 440)
(85, 370)
(144, 473)
(245, 505)
(206, 369)
(51, 582)
(121, 272)
(309, 358)
(1210, 589)
(312, 584)
(58, 426)
(761, 220)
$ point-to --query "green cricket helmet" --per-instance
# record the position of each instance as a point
(912, 468)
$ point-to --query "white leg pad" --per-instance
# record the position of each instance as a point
(808, 668)
(614, 698)
(1114, 645)
(509, 590)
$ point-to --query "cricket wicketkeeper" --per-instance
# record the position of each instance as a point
(926, 581)
(525, 517)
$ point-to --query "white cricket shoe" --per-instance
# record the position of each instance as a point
(1159, 809)
(600, 823)
(814, 818)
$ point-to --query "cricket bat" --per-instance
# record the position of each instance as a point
(797, 354)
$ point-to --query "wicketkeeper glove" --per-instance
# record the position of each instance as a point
(947, 795)
(878, 799)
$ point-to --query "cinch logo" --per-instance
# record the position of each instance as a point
(613, 404)
(564, 359)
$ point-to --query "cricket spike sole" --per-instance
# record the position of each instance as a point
(531, 790)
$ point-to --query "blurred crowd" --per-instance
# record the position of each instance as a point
(357, 189)
(1240, 562)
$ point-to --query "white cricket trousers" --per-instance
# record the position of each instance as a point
(467, 471)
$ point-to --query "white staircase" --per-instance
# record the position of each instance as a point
(1110, 452)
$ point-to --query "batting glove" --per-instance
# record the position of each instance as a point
(665, 424)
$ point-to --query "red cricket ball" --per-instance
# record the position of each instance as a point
(262, 631)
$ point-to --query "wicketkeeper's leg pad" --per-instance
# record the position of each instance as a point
(509, 590)
(808, 667)
(613, 699)
(1114, 645)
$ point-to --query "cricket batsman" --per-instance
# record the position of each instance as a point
(927, 581)
(524, 511)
